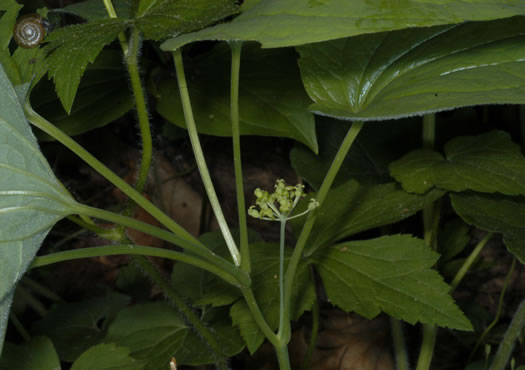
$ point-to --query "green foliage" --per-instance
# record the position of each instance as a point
(107, 357)
(75, 327)
(29, 191)
(351, 208)
(488, 163)
(38, 354)
(416, 71)
(391, 274)
(95, 9)
(497, 213)
(70, 50)
(272, 98)
(159, 19)
(158, 332)
(102, 97)
(278, 23)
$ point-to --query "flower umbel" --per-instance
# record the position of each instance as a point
(278, 205)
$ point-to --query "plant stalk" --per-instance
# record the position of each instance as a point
(282, 318)
(427, 347)
(307, 228)
(400, 349)
(98, 166)
(505, 348)
(469, 261)
(199, 158)
(315, 330)
(236, 47)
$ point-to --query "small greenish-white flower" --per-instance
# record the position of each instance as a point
(278, 205)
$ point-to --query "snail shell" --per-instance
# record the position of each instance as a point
(29, 31)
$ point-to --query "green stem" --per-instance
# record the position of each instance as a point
(259, 318)
(307, 228)
(127, 189)
(282, 357)
(282, 317)
(315, 330)
(142, 111)
(400, 349)
(19, 327)
(113, 14)
(512, 333)
(498, 312)
(427, 347)
(430, 226)
(109, 234)
(40, 289)
(236, 47)
(199, 158)
(131, 249)
(469, 261)
(154, 274)
(240, 278)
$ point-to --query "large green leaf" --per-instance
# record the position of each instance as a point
(75, 327)
(8, 12)
(38, 354)
(28, 191)
(391, 274)
(368, 158)
(95, 9)
(351, 208)
(416, 71)
(277, 23)
(160, 19)
(265, 284)
(488, 163)
(495, 213)
(102, 97)
(272, 99)
(155, 332)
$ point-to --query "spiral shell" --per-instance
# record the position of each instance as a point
(29, 31)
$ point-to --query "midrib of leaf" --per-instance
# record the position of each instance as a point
(30, 175)
(351, 267)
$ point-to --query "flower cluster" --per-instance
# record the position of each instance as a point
(278, 205)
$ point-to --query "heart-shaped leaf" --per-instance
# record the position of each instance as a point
(32, 200)
(416, 71)
(278, 23)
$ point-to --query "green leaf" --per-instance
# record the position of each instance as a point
(95, 9)
(159, 19)
(107, 357)
(8, 12)
(5, 307)
(416, 71)
(368, 158)
(75, 327)
(28, 191)
(351, 208)
(38, 354)
(452, 239)
(391, 274)
(154, 332)
(488, 163)
(265, 285)
(495, 213)
(278, 23)
(70, 50)
(102, 97)
(271, 97)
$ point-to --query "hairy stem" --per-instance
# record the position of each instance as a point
(154, 274)
(199, 158)
(142, 112)
(236, 137)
